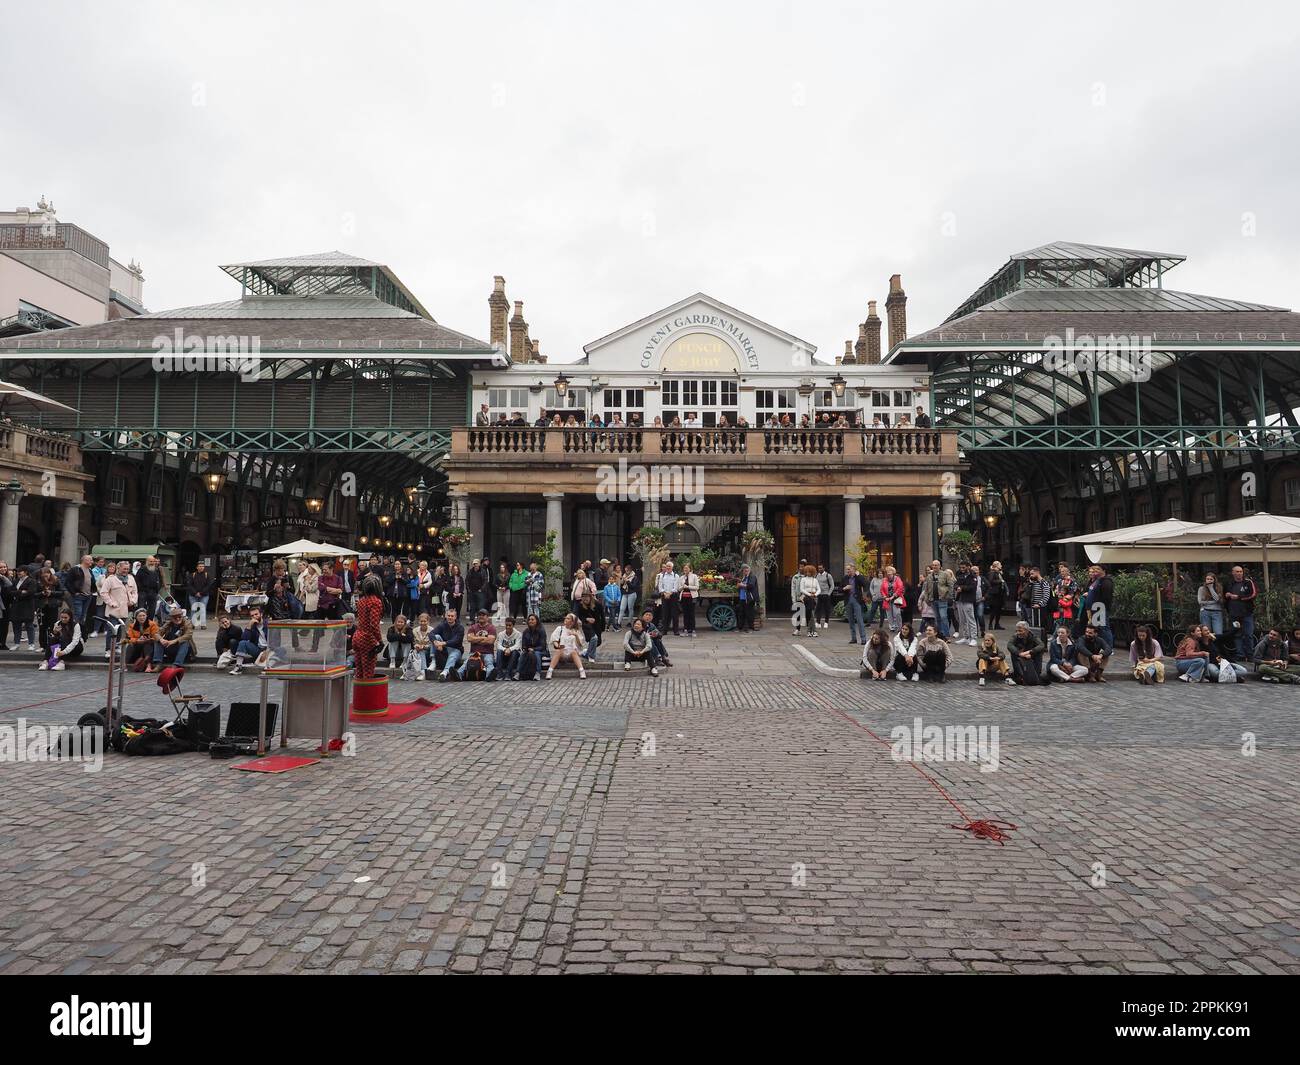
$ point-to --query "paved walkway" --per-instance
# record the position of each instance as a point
(729, 815)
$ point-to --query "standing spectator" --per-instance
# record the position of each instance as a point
(455, 589)
(995, 598)
(80, 585)
(423, 588)
(631, 583)
(938, 585)
(475, 581)
(1096, 604)
(329, 594)
(690, 597)
(1065, 597)
(535, 588)
(1063, 659)
(518, 587)
(855, 591)
(501, 586)
(100, 571)
(746, 599)
(1209, 601)
(1026, 653)
(875, 613)
(6, 606)
(1035, 594)
(199, 588)
(809, 588)
(1240, 594)
(668, 588)
(826, 585)
(438, 591)
(22, 610)
(893, 597)
(981, 590)
(120, 599)
(1145, 655)
(308, 589)
(967, 589)
(149, 584)
(49, 597)
(612, 600)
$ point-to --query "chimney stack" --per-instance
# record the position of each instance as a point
(871, 328)
(848, 352)
(896, 309)
(536, 354)
(519, 347)
(860, 348)
(498, 309)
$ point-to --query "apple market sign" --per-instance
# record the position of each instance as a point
(699, 352)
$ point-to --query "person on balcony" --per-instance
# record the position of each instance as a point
(922, 419)
(483, 418)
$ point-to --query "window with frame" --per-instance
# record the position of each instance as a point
(1144, 512)
(155, 492)
(574, 397)
(1210, 507)
(1249, 504)
(219, 508)
(246, 511)
(1176, 509)
(507, 401)
(1291, 493)
(117, 490)
(774, 401)
(191, 502)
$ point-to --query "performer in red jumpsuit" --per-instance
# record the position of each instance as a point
(368, 637)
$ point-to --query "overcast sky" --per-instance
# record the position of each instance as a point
(610, 159)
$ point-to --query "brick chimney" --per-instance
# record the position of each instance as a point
(871, 328)
(860, 348)
(536, 355)
(896, 309)
(519, 346)
(848, 352)
(498, 309)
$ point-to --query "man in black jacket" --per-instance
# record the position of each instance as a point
(747, 600)
(475, 582)
(199, 587)
(448, 642)
(857, 591)
(148, 583)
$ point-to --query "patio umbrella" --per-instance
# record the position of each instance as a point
(1169, 527)
(332, 549)
(303, 548)
(1262, 530)
(15, 398)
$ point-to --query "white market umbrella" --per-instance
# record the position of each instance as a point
(15, 398)
(1262, 530)
(304, 548)
(1169, 527)
(332, 549)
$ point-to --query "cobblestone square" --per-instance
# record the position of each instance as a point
(732, 815)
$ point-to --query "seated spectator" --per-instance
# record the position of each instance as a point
(566, 644)
(992, 660)
(935, 656)
(448, 644)
(1217, 658)
(422, 644)
(401, 639)
(1093, 653)
(508, 648)
(175, 643)
(141, 635)
(637, 647)
(65, 642)
(907, 666)
(1026, 652)
(532, 648)
(1273, 660)
(878, 655)
(1063, 659)
(656, 637)
(482, 639)
(1191, 659)
(254, 643)
(1145, 655)
(229, 636)
(591, 616)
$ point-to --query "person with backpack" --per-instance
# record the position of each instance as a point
(480, 658)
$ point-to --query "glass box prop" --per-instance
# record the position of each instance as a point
(313, 649)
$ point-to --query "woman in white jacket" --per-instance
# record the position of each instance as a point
(566, 645)
(809, 589)
(906, 664)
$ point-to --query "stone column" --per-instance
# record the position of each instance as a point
(925, 542)
(754, 516)
(852, 525)
(68, 537)
(477, 526)
(459, 510)
(555, 521)
(9, 533)
(650, 513)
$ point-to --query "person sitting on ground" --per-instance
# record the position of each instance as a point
(175, 641)
(254, 643)
(638, 648)
(1217, 654)
(422, 644)
(935, 656)
(1063, 660)
(1273, 659)
(65, 642)
(508, 648)
(1145, 655)
(1191, 659)
(907, 666)
(141, 635)
(656, 637)
(229, 636)
(401, 641)
(992, 660)
(448, 644)
(532, 648)
(878, 655)
(1093, 653)
(566, 643)
(1026, 652)
(482, 639)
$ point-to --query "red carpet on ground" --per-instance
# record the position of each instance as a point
(398, 713)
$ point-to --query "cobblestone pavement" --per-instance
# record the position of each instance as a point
(731, 815)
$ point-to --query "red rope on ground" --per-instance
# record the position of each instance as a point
(102, 690)
(982, 829)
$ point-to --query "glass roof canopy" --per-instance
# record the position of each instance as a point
(332, 273)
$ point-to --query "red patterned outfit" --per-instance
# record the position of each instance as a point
(367, 640)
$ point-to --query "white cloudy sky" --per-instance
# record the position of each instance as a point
(609, 159)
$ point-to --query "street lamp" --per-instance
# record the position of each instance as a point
(314, 504)
(13, 492)
(385, 520)
(417, 494)
(364, 540)
(214, 478)
(838, 384)
(432, 530)
(561, 385)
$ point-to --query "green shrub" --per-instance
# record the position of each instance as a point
(554, 609)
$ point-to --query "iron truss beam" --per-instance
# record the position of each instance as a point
(1127, 438)
(426, 442)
